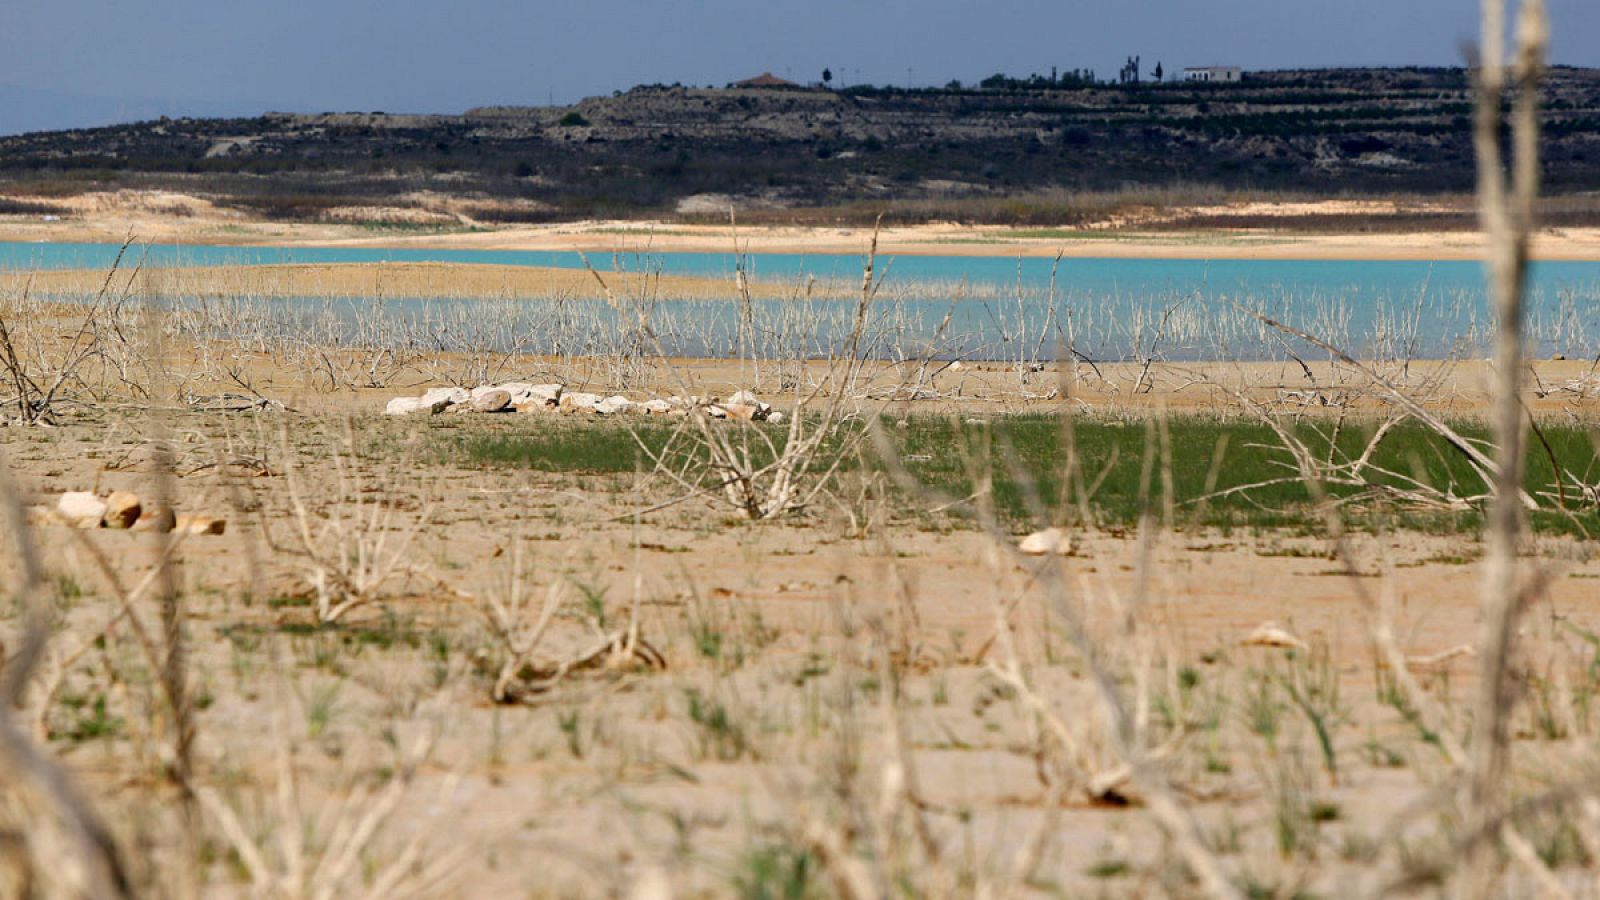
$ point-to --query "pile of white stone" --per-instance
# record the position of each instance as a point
(517, 396)
(122, 510)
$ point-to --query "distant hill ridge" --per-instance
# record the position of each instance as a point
(661, 149)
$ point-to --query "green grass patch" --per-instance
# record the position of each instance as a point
(1028, 455)
(1113, 482)
(778, 871)
(386, 633)
(546, 445)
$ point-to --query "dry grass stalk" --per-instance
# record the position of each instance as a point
(325, 856)
(1336, 467)
(39, 381)
(1124, 736)
(511, 621)
(1482, 464)
(519, 626)
(360, 545)
(763, 477)
(127, 602)
(67, 850)
(1507, 214)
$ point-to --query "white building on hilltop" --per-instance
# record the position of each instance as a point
(1213, 73)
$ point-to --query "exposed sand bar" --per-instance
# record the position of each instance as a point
(109, 217)
(1578, 244)
(389, 279)
(988, 241)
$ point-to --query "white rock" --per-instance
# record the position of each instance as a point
(578, 400)
(122, 510)
(521, 392)
(548, 394)
(160, 518)
(1050, 540)
(81, 508)
(1268, 634)
(201, 525)
(743, 412)
(746, 398)
(404, 406)
(491, 401)
(447, 395)
(613, 405)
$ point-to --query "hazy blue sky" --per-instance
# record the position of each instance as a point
(68, 62)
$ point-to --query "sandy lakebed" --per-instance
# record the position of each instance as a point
(169, 217)
(542, 653)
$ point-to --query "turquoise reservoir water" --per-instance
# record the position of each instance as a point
(1439, 306)
(1358, 277)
